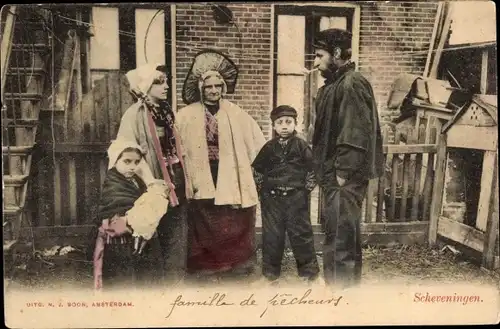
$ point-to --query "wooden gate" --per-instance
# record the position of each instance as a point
(472, 128)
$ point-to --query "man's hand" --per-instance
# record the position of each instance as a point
(341, 181)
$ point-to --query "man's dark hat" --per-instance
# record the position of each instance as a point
(281, 111)
(331, 38)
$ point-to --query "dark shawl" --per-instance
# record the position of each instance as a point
(347, 141)
(118, 195)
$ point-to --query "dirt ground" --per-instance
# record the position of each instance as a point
(396, 264)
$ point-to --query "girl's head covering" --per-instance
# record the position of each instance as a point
(117, 147)
(142, 78)
(211, 74)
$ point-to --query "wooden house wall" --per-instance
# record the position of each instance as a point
(71, 160)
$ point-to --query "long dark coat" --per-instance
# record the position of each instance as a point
(347, 141)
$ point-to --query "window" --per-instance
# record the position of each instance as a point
(127, 36)
(295, 29)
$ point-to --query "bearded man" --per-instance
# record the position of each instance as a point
(347, 152)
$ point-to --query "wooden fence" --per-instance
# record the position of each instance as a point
(396, 208)
(67, 180)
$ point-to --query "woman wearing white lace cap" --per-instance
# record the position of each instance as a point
(220, 142)
(151, 123)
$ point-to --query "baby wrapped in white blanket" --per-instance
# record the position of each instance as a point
(147, 211)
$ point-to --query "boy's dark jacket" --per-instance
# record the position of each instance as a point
(286, 166)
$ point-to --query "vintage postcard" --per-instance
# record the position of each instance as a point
(250, 164)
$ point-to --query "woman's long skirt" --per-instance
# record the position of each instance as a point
(220, 237)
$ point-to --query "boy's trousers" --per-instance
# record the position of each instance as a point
(287, 213)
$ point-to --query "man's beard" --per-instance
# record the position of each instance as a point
(332, 68)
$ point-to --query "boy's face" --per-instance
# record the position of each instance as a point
(284, 126)
(127, 164)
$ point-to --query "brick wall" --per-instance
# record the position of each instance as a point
(250, 50)
(394, 38)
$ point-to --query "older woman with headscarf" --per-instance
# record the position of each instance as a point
(151, 123)
(220, 142)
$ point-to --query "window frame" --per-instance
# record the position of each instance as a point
(313, 13)
(169, 23)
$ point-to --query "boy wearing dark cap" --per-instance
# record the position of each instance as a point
(347, 151)
(285, 177)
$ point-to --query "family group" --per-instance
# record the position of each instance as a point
(182, 187)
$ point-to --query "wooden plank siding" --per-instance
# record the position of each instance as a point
(71, 162)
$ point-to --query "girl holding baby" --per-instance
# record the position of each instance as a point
(156, 157)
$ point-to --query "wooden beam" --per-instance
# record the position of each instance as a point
(461, 233)
(437, 191)
(484, 72)
(480, 138)
(63, 83)
(487, 187)
(433, 39)
(492, 226)
(372, 187)
(356, 28)
(72, 185)
(57, 192)
(6, 45)
(409, 149)
(443, 38)
(371, 234)
(432, 110)
(75, 148)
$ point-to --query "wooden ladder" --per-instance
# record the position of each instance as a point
(24, 58)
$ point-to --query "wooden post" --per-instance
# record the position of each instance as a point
(57, 192)
(372, 185)
(492, 226)
(415, 211)
(428, 181)
(437, 192)
(6, 45)
(487, 186)
(394, 179)
(433, 39)
(442, 40)
(63, 86)
(72, 182)
(484, 72)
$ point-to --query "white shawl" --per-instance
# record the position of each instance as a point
(240, 139)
